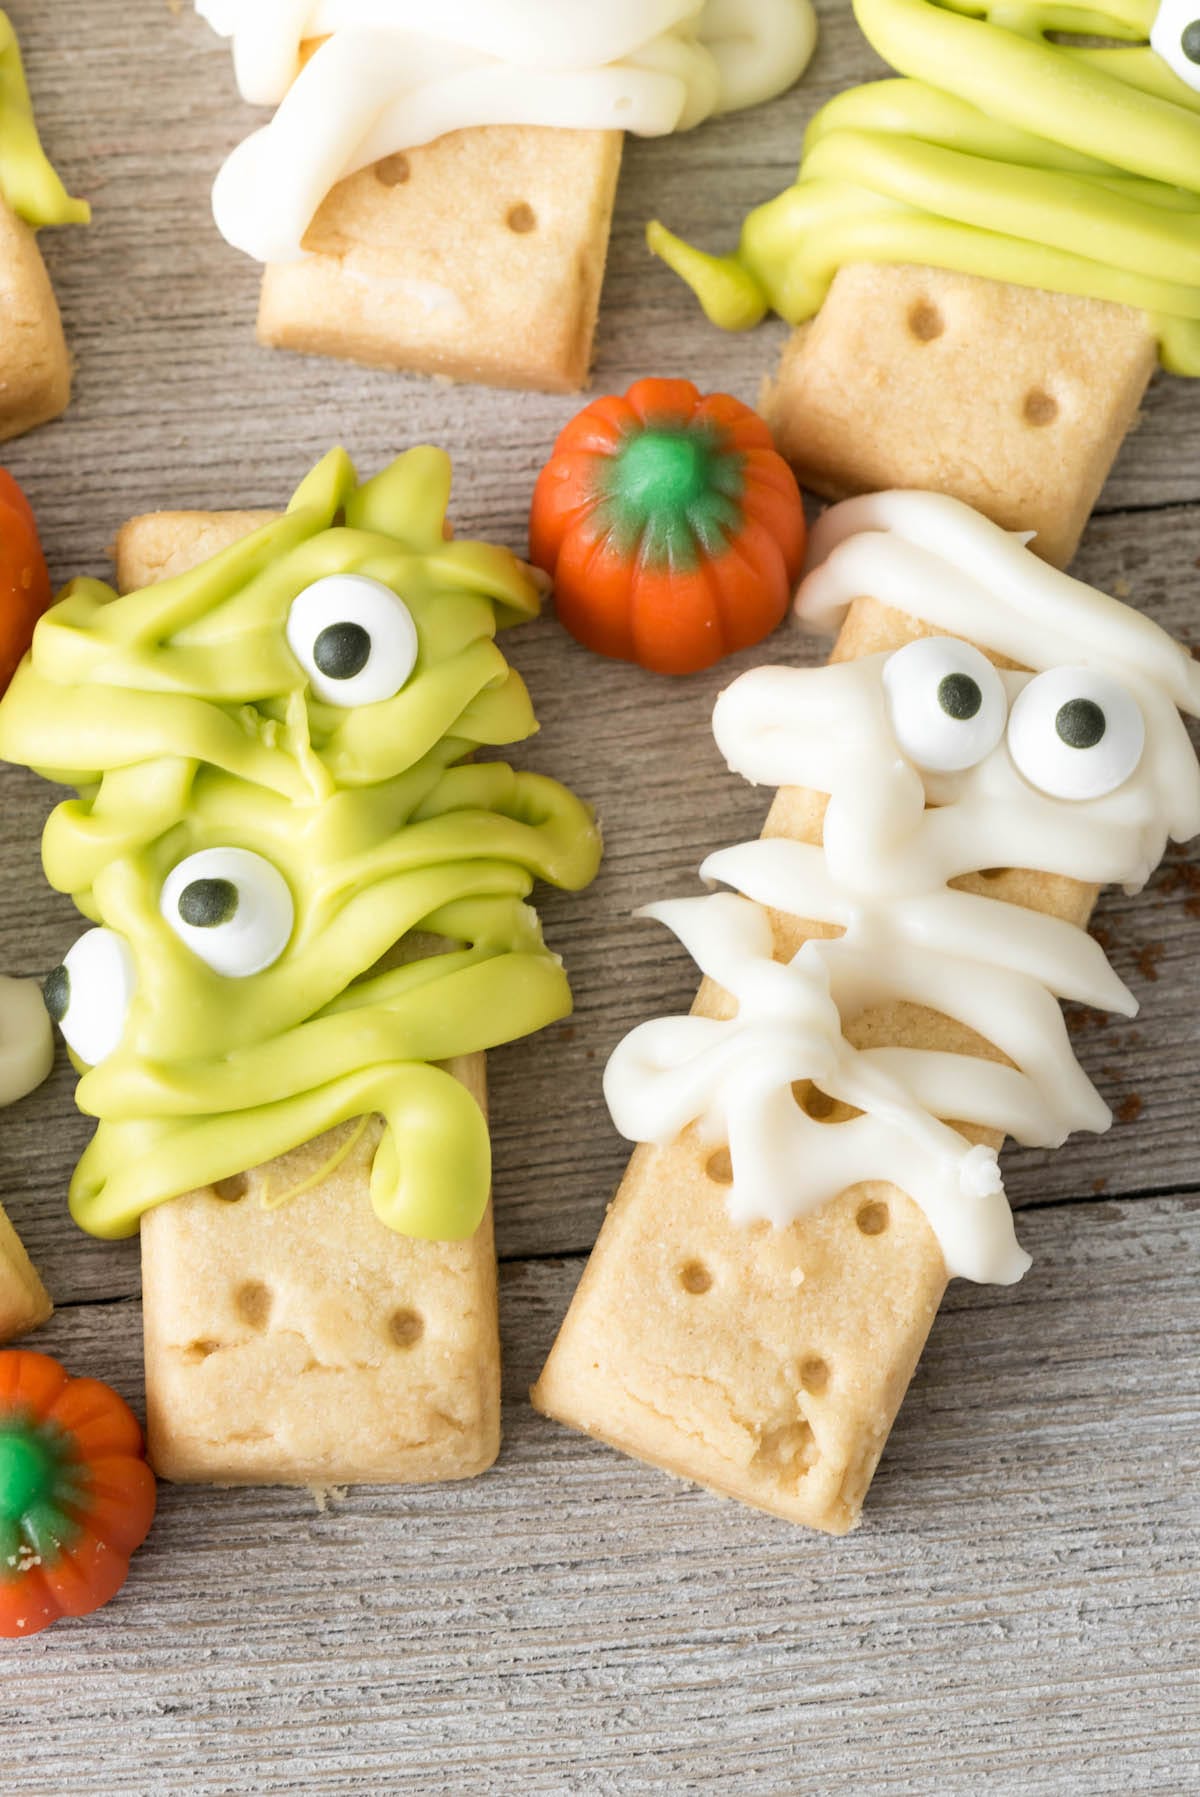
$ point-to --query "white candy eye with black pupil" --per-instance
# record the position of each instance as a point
(1175, 35)
(232, 908)
(1076, 734)
(89, 995)
(354, 638)
(946, 703)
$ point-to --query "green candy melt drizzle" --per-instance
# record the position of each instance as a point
(28, 183)
(183, 720)
(1000, 153)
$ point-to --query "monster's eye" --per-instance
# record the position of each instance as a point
(946, 703)
(354, 639)
(1175, 35)
(231, 908)
(1076, 734)
(90, 994)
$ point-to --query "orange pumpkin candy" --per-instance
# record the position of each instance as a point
(76, 1494)
(671, 528)
(24, 581)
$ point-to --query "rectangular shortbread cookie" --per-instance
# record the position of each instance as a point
(769, 1364)
(479, 257)
(35, 373)
(24, 1302)
(1009, 398)
(303, 1342)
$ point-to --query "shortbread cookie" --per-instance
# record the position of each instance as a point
(35, 373)
(979, 257)
(716, 1350)
(24, 1300)
(303, 1342)
(260, 1367)
(435, 188)
(479, 257)
(764, 1281)
(310, 923)
(1013, 400)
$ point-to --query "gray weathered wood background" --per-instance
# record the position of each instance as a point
(1021, 1607)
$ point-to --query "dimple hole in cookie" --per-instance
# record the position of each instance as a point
(695, 1278)
(405, 1327)
(393, 171)
(521, 218)
(252, 1301)
(1039, 408)
(200, 1350)
(231, 1189)
(872, 1217)
(819, 1105)
(789, 1451)
(814, 1374)
(925, 321)
(719, 1167)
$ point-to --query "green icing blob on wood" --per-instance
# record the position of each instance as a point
(28, 183)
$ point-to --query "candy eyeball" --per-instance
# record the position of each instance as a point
(1175, 35)
(354, 638)
(89, 995)
(231, 908)
(946, 703)
(1076, 734)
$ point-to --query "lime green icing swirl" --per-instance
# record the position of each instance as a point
(28, 184)
(1001, 153)
(183, 720)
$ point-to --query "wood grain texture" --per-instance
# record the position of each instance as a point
(1021, 1600)
(1021, 1605)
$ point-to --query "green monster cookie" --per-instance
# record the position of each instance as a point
(1004, 152)
(28, 184)
(276, 817)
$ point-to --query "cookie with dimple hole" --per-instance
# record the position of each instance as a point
(769, 1363)
(1011, 399)
(478, 257)
(262, 1369)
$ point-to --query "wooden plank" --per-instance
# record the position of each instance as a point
(1021, 1606)
(1021, 1598)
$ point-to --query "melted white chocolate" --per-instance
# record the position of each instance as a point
(894, 837)
(391, 74)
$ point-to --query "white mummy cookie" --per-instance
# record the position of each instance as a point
(936, 765)
(386, 75)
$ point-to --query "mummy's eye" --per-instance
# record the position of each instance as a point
(231, 908)
(89, 995)
(946, 703)
(1076, 734)
(1175, 35)
(354, 639)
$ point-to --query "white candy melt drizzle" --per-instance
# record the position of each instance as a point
(893, 839)
(392, 74)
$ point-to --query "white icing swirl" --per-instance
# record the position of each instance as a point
(26, 1039)
(391, 74)
(894, 836)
